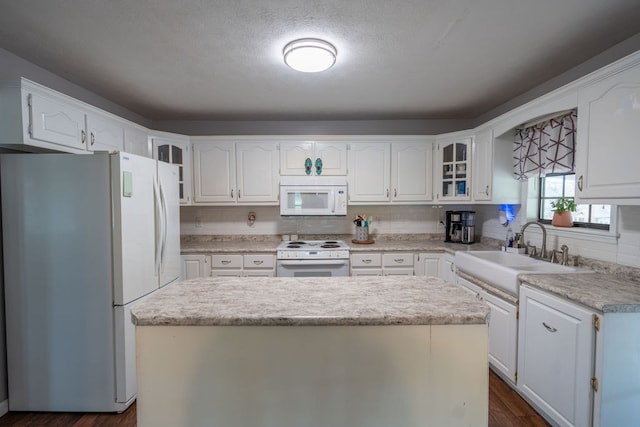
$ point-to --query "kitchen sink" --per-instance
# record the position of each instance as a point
(501, 269)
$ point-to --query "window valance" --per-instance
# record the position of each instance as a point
(546, 147)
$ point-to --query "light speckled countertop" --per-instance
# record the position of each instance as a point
(262, 244)
(603, 292)
(314, 301)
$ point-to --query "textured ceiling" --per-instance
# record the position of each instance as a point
(221, 60)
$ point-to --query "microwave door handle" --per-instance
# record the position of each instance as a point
(332, 201)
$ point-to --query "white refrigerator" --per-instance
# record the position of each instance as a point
(85, 238)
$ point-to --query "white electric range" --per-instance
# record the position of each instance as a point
(312, 258)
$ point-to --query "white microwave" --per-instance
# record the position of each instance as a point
(313, 196)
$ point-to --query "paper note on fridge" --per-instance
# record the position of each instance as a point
(127, 184)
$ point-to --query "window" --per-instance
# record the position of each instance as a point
(554, 186)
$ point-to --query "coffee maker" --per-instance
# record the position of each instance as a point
(460, 227)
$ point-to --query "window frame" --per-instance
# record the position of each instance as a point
(577, 224)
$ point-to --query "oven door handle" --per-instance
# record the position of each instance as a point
(305, 262)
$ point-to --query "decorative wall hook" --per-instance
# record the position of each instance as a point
(318, 166)
(307, 166)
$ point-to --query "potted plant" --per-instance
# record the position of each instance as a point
(562, 209)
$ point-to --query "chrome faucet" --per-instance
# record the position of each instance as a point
(543, 250)
(565, 255)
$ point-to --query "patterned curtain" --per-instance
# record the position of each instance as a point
(547, 147)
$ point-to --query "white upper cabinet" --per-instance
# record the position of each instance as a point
(411, 171)
(492, 169)
(607, 147)
(369, 172)
(175, 149)
(35, 116)
(228, 172)
(482, 152)
(397, 172)
(56, 121)
(313, 158)
(257, 172)
(136, 141)
(104, 133)
(214, 172)
(453, 169)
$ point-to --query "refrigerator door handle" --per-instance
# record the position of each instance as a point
(165, 226)
(157, 223)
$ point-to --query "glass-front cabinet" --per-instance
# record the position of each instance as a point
(454, 170)
(176, 152)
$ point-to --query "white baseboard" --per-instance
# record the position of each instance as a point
(4, 407)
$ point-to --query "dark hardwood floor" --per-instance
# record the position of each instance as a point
(506, 409)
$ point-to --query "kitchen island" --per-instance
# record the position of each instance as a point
(348, 351)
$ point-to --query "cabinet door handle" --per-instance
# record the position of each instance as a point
(366, 261)
(225, 261)
(486, 190)
(239, 194)
(387, 192)
(257, 262)
(398, 260)
(84, 136)
(468, 190)
(93, 138)
(395, 192)
(549, 328)
(232, 193)
(451, 267)
(580, 183)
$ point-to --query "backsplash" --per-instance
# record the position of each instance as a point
(233, 220)
(400, 219)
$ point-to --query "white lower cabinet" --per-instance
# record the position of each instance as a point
(397, 264)
(226, 265)
(259, 265)
(556, 343)
(447, 268)
(503, 329)
(238, 265)
(503, 333)
(194, 266)
(382, 264)
(366, 264)
(435, 265)
(427, 264)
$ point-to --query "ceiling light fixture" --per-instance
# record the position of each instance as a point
(310, 55)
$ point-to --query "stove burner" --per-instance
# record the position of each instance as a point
(297, 243)
(293, 246)
(329, 246)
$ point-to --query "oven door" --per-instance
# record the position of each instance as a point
(312, 267)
